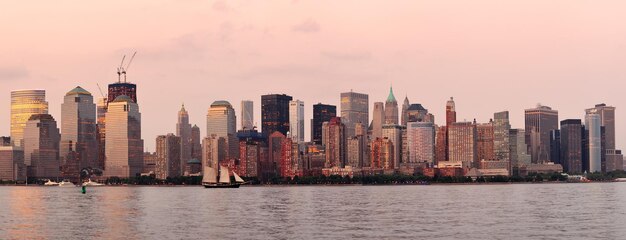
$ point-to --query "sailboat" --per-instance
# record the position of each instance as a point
(210, 178)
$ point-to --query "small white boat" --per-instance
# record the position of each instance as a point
(66, 183)
(90, 183)
(51, 183)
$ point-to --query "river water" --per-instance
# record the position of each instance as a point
(508, 211)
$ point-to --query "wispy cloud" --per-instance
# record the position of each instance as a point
(222, 6)
(13, 73)
(307, 26)
(348, 56)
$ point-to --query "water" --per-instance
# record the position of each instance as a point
(517, 211)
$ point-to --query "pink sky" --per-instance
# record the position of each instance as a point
(489, 55)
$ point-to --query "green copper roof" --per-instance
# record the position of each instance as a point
(123, 98)
(391, 98)
(78, 91)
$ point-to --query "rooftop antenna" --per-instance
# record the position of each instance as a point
(128, 65)
(119, 70)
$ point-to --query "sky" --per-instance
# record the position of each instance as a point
(489, 55)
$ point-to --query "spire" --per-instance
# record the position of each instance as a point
(391, 98)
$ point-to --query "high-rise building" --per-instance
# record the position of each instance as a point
(356, 150)
(421, 142)
(381, 154)
(196, 144)
(12, 166)
(354, 109)
(123, 145)
(501, 127)
(168, 164)
(614, 160)
(213, 151)
(393, 132)
(270, 168)
(593, 126)
(462, 143)
(334, 141)
(78, 125)
(183, 130)
(571, 145)
(252, 152)
(149, 163)
(122, 89)
(391, 109)
(417, 113)
(607, 120)
(221, 122)
(441, 144)
(41, 146)
(485, 141)
(25, 103)
(519, 151)
(404, 118)
(450, 118)
(539, 122)
(296, 120)
(555, 146)
(247, 114)
(321, 113)
(378, 120)
(275, 113)
(101, 110)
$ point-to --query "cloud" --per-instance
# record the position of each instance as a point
(221, 6)
(348, 56)
(307, 26)
(8, 73)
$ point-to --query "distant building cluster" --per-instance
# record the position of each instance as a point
(105, 137)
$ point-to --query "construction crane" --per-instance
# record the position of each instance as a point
(128, 65)
(100, 89)
(120, 70)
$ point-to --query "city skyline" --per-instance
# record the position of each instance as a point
(511, 64)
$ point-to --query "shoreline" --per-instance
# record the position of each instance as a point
(325, 185)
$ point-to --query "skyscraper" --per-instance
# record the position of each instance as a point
(393, 132)
(321, 113)
(450, 118)
(252, 152)
(417, 113)
(25, 103)
(519, 150)
(607, 119)
(593, 125)
(334, 141)
(571, 145)
(421, 142)
(539, 122)
(247, 114)
(296, 120)
(41, 146)
(275, 113)
(391, 109)
(168, 164)
(441, 146)
(501, 127)
(485, 141)
(462, 143)
(378, 120)
(381, 154)
(122, 88)
(221, 122)
(101, 110)
(196, 144)
(78, 125)
(183, 130)
(124, 146)
(354, 109)
(403, 116)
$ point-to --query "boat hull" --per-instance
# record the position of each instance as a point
(228, 185)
